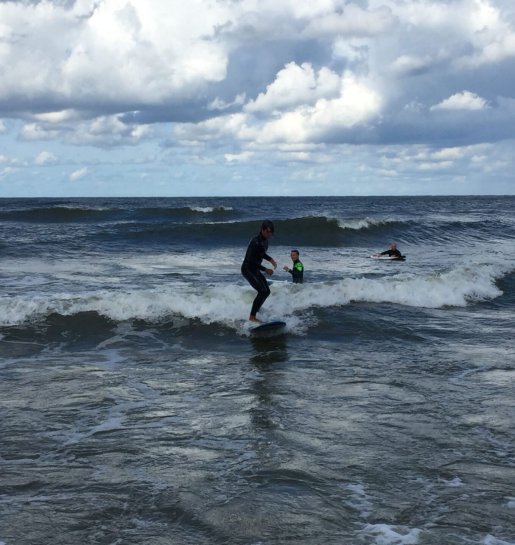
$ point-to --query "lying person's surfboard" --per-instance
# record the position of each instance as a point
(388, 257)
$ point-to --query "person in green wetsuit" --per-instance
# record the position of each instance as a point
(297, 270)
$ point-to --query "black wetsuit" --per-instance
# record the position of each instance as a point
(251, 269)
(392, 253)
(297, 272)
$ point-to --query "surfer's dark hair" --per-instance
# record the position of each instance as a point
(267, 224)
(296, 251)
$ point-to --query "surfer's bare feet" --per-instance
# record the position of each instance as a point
(254, 319)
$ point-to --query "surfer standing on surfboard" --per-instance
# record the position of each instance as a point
(251, 267)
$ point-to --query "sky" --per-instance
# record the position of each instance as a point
(256, 97)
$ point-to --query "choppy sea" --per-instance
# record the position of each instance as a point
(137, 409)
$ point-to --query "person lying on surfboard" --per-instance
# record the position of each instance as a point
(251, 267)
(391, 252)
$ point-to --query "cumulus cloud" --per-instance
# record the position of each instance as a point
(117, 51)
(462, 101)
(101, 131)
(217, 129)
(78, 174)
(34, 131)
(295, 85)
(57, 117)
(308, 116)
(356, 103)
(353, 20)
(100, 70)
(221, 81)
(45, 158)
(220, 105)
(412, 65)
(5, 172)
(492, 35)
(425, 159)
(238, 157)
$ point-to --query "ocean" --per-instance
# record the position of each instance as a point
(136, 408)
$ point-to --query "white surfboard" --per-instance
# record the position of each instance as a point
(388, 258)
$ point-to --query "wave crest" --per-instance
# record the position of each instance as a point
(228, 304)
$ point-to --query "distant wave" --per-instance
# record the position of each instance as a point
(211, 209)
(303, 231)
(154, 228)
(227, 305)
(367, 223)
(425, 230)
(184, 212)
(56, 214)
(68, 213)
(331, 224)
(212, 225)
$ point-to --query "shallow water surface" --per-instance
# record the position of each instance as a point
(137, 409)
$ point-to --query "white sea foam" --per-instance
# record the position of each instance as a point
(491, 540)
(33, 266)
(181, 263)
(385, 534)
(435, 290)
(228, 303)
(360, 500)
(454, 483)
(77, 206)
(364, 223)
(208, 304)
(209, 209)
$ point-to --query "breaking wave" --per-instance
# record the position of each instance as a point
(228, 304)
